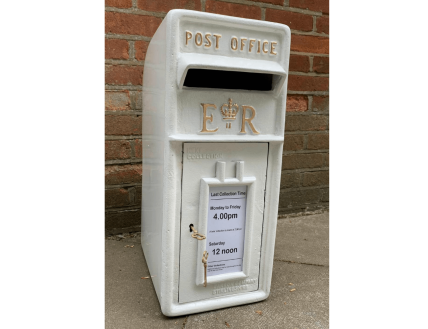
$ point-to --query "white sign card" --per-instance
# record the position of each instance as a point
(226, 229)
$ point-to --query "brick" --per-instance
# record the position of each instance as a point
(122, 23)
(318, 141)
(117, 100)
(320, 103)
(299, 63)
(138, 148)
(320, 64)
(141, 50)
(315, 178)
(295, 21)
(123, 125)
(314, 5)
(118, 3)
(326, 159)
(290, 180)
(123, 174)
(309, 44)
(301, 161)
(293, 142)
(306, 123)
(138, 195)
(233, 9)
(116, 49)
(167, 5)
(118, 197)
(290, 199)
(138, 100)
(122, 220)
(322, 24)
(115, 150)
(297, 103)
(274, 2)
(325, 195)
(124, 75)
(307, 83)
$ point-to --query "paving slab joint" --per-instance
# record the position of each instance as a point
(290, 261)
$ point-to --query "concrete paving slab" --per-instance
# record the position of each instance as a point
(306, 307)
(303, 239)
(131, 302)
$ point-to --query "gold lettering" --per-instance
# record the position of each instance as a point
(208, 44)
(206, 118)
(251, 44)
(243, 43)
(217, 37)
(198, 43)
(258, 46)
(234, 43)
(264, 43)
(248, 120)
(188, 36)
(272, 47)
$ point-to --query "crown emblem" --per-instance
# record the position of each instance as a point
(229, 111)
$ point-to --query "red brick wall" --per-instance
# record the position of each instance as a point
(129, 26)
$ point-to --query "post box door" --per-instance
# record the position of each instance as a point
(223, 192)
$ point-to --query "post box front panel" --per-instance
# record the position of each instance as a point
(223, 190)
(221, 112)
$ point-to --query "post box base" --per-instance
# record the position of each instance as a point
(213, 304)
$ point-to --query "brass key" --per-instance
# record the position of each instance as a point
(204, 260)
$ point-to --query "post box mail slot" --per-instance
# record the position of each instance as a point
(214, 95)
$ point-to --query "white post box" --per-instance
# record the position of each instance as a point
(214, 99)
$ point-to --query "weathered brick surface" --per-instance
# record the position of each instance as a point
(118, 3)
(299, 63)
(315, 178)
(273, 2)
(302, 161)
(141, 49)
(314, 5)
(323, 24)
(123, 174)
(321, 64)
(139, 148)
(307, 83)
(289, 199)
(117, 100)
(167, 5)
(124, 75)
(326, 159)
(117, 150)
(123, 125)
(295, 21)
(293, 142)
(233, 9)
(309, 44)
(290, 180)
(121, 23)
(304, 179)
(318, 141)
(118, 197)
(320, 103)
(306, 123)
(325, 195)
(116, 49)
(297, 103)
(122, 219)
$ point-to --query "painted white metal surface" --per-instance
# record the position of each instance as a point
(173, 116)
(198, 175)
